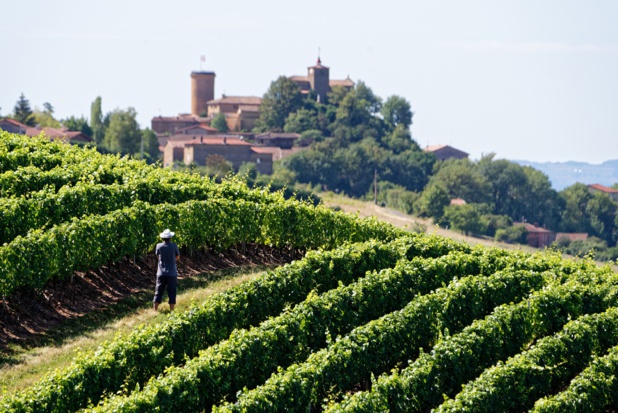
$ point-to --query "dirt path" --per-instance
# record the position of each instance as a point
(30, 315)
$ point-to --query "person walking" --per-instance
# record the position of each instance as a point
(167, 273)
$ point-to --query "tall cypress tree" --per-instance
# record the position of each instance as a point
(96, 121)
(22, 111)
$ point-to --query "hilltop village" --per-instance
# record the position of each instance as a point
(189, 138)
(346, 139)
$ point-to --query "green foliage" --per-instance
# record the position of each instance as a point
(588, 213)
(378, 345)
(123, 134)
(433, 202)
(97, 123)
(593, 390)
(149, 145)
(219, 123)
(515, 234)
(550, 364)
(467, 218)
(22, 112)
(301, 121)
(248, 170)
(282, 98)
(45, 119)
(73, 123)
(254, 354)
(462, 357)
(367, 302)
(397, 111)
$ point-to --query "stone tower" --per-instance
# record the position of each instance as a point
(319, 78)
(202, 91)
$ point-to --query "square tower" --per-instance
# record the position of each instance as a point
(319, 79)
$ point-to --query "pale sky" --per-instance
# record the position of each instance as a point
(526, 79)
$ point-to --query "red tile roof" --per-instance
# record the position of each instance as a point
(54, 133)
(13, 122)
(533, 228)
(179, 141)
(347, 82)
(238, 100)
(180, 118)
(206, 128)
(602, 188)
(275, 135)
(433, 148)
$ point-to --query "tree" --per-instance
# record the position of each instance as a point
(48, 108)
(219, 123)
(300, 121)
(282, 98)
(22, 112)
(466, 218)
(150, 144)
(410, 169)
(45, 119)
(96, 121)
(399, 139)
(78, 124)
(602, 212)
(397, 111)
(575, 217)
(521, 192)
(461, 179)
(216, 165)
(432, 202)
(123, 134)
(541, 203)
(357, 107)
(249, 170)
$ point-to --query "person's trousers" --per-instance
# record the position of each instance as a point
(164, 282)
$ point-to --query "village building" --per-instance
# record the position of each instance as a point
(278, 139)
(236, 151)
(62, 134)
(318, 80)
(444, 152)
(170, 125)
(241, 112)
(12, 126)
(189, 138)
(598, 188)
(539, 237)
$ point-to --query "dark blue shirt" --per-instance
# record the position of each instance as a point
(167, 252)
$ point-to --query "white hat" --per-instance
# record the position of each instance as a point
(167, 234)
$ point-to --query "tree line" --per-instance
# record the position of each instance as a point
(361, 145)
(113, 132)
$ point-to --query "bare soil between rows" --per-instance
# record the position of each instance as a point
(28, 316)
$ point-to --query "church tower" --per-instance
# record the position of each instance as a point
(319, 78)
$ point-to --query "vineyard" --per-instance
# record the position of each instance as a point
(372, 318)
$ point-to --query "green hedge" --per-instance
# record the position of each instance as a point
(250, 357)
(384, 342)
(126, 361)
(594, 390)
(462, 357)
(516, 384)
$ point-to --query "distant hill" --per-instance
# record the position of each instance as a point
(564, 174)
